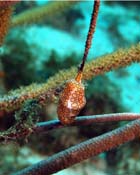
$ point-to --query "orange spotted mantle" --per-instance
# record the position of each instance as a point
(72, 100)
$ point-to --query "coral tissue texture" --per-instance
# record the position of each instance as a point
(40, 13)
(5, 14)
(6, 3)
(106, 63)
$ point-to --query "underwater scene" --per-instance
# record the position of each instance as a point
(69, 87)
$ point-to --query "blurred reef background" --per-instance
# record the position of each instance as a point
(38, 46)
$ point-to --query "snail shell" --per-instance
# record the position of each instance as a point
(72, 100)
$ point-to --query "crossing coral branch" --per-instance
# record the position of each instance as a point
(44, 91)
(84, 150)
(20, 131)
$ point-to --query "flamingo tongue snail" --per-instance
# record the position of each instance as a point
(71, 101)
(72, 98)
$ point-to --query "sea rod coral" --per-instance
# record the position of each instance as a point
(38, 14)
(5, 15)
(120, 58)
(28, 101)
(30, 16)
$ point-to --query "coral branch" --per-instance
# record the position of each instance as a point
(86, 120)
(43, 127)
(7, 3)
(5, 14)
(121, 58)
(84, 150)
(38, 14)
(90, 32)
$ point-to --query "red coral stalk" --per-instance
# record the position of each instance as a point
(7, 3)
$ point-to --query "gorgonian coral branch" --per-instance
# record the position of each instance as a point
(38, 14)
(84, 150)
(90, 33)
(86, 120)
(5, 14)
(18, 131)
(6, 3)
(121, 58)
